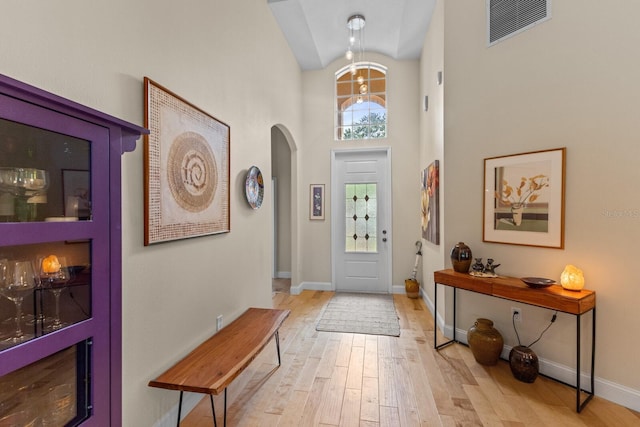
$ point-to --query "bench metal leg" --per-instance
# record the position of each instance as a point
(278, 345)
(213, 411)
(179, 408)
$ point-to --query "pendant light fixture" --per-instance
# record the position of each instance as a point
(355, 25)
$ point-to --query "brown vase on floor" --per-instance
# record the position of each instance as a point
(524, 364)
(412, 288)
(485, 342)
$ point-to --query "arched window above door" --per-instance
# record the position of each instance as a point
(361, 102)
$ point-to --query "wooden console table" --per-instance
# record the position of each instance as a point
(554, 297)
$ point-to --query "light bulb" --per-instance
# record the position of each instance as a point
(349, 55)
(363, 89)
(352, 40)
(359, 100)
(353, 69)
(360, 80)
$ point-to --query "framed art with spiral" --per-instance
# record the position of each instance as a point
(186, 169)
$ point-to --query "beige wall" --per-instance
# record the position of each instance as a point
(569, 82)
(97, 53)
(432, 135)
(318, 107)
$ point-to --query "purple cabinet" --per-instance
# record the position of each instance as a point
(60, 259)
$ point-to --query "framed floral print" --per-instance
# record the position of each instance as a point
(316, 201)
(524, 199)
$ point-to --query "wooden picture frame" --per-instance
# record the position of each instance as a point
(524, 199)
(186, 169)
(430, 201)
(316, 201)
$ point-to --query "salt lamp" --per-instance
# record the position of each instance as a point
(572, 278)
(50, 264)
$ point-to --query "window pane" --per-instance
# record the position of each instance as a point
(360, 217)
(361, 103)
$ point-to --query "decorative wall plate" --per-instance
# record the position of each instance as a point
(538, 282)
(254, 187)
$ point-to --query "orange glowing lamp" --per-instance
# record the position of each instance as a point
(51, 264)
(572, 278)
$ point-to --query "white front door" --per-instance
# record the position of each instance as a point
(361, 220)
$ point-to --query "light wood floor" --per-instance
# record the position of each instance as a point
(335, 379)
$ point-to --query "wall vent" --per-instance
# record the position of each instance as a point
(506, 18)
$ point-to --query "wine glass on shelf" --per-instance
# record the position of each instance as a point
(19, 281)
(54, 275)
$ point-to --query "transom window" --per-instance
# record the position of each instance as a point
(361, 102)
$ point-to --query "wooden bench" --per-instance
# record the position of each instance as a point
(211, 366)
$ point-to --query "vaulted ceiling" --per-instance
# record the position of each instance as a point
(317, 30)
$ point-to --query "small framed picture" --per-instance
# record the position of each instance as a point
(316, 201)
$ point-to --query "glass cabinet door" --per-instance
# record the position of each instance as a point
(44, 175)
(54, 267)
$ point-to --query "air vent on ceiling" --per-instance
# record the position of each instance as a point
(508, 17)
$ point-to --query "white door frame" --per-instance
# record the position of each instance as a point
(336, 203)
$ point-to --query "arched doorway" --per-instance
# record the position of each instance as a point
(284, 216)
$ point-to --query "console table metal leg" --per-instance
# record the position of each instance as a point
(593, 350)
(580, 405)
(455, 305)
(579, 340)
(435, 319)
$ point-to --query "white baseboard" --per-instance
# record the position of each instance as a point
(189, 401)
(398, 289)
(613, 392)
(283, 275)
(311, 286)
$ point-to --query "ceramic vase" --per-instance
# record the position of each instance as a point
(485, 342)
(412, 288)
(524, 364)
(516, 212)
(461, 257)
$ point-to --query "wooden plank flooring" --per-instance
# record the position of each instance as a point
(337, 379)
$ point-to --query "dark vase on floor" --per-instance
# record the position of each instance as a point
(485, 342)
(524, 364)
(461, 257)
